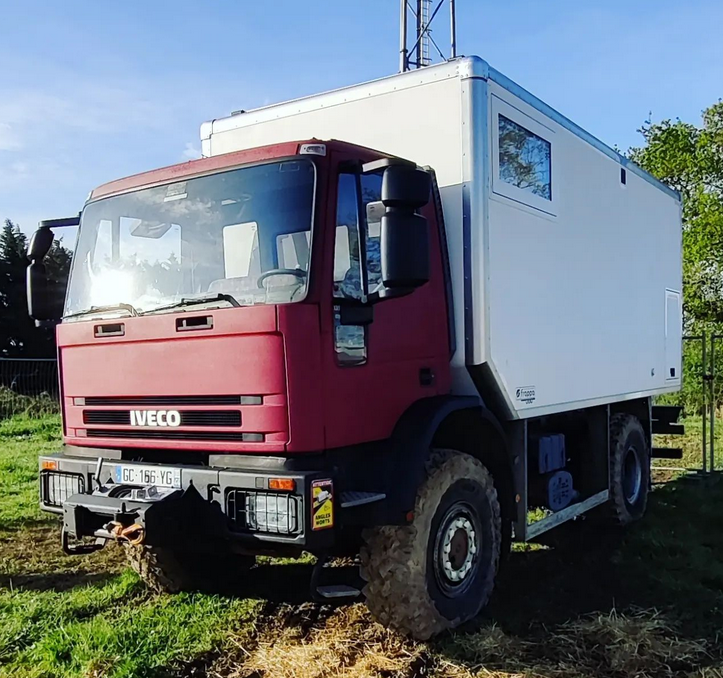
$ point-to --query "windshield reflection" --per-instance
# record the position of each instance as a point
(243, 233)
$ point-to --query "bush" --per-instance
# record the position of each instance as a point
(12, 404)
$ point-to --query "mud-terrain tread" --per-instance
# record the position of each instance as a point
(160, 568)
(394, 558)
(169, 571)
(620, 426)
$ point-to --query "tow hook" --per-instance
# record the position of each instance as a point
(79, 548)
(134, 534)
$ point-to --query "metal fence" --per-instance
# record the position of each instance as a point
(701, 397)
(29, 376)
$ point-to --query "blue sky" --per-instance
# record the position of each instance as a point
(92, 91)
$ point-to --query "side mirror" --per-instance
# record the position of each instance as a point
(39, 304)
(404, 233)
(41, 307)
(40, 244)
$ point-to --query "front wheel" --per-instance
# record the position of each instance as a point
(172, 570)
(439, 571)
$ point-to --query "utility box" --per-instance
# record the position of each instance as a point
(565, 256)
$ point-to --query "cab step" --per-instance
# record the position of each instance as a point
(351, 499)
(335, 591)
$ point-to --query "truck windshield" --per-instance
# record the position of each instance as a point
(240, 235)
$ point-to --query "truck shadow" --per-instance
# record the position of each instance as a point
(672, 562)
(591, 601)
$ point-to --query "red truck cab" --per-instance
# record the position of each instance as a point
(277, 241)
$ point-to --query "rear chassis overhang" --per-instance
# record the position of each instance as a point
(199, 511)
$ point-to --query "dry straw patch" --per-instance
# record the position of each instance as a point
(346, 643)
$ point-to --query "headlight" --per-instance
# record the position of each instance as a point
(276, 513)
(273, 512)
(56, 487)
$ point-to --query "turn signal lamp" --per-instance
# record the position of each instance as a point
(49, 465)
(282, 484)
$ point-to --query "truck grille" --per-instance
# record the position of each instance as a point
(188, 417)
(169, 401)
(175, 434)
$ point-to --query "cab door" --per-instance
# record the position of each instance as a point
(377, 367)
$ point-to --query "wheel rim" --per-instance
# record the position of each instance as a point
(632, 475)
(457, 547)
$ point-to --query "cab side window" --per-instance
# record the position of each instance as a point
(357, 261)
(347, 269)
(371, 187)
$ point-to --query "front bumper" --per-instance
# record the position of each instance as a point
(232, 504)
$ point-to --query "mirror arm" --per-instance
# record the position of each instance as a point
(60, 223)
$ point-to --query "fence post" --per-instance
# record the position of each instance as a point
(704, 411)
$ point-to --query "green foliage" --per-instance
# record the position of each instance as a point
(689, 158)
(18, 334)
(12, 404)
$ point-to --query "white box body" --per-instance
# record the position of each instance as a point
(559, 303)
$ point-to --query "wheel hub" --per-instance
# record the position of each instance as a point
(457, 547)
(632, 475)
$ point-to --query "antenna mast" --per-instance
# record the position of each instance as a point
(418, 55)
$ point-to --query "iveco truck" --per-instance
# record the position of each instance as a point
(396, 320)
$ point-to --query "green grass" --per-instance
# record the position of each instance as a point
(692, 444)
(588, 601)
(86, 616)
(22, 439)
(115, 629)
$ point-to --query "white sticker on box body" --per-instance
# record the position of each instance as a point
(525, 394)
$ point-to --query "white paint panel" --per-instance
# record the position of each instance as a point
(391, 122)
(576, 301)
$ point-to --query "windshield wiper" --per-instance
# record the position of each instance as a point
(104, 309)
(192, 301)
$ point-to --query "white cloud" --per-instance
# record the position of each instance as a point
(8, 139)
(191, 152)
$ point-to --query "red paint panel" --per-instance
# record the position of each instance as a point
(408, 335)
(226, 321)
(243, 365)
(242, 354)
(299, 325)
(195, 168)
(272, 445)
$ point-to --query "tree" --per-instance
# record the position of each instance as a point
(18, 335)
(690, 159)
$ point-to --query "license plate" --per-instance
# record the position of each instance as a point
(148, 475)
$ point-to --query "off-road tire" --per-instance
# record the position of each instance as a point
(398, 562)
(167, 570)
(627, 436)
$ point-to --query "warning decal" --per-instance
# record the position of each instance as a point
(322, 504)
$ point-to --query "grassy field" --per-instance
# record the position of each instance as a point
(589, 602)
(691, 444)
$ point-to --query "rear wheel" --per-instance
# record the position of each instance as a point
(629, 469)
(168, 570)
(439, 571)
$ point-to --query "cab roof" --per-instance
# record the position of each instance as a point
(218, 162)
